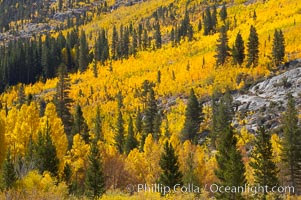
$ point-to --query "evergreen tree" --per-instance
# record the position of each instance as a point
(278, 51)
(158, 36)
(95, 182)
(131, 142)
(230, 167)
(114, 44)
(98, 125)
(222, 115)
(223, 12)
(134, 43)
(207, 22)
(83, 60)
(79, 124)
(119, 137)
(169, 164)
(138, 122)
(150, 112)
(222, 49)
(291, 152)
(8, 171)
(253, 48)
(238, 50)
(214, 19)
(192, 118)
(265, 170)
(63, 102)
(46, 152)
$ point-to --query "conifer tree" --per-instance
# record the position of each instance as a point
(265, 170)
(8, 171)
(119, 137)
(214, 19)
(207, 22)
(95, 182)
(63, 102)
(253, 48)
(169, 164)
(291, 152)
(158, 36)
(192, 118)
(98, 125)
(134, 42)
(222, 115)
(131, 142)
(230, 167)
(238, 50)
(223, 12)
(83, 52)
(114, 44)
(46, 152)
(278, 51)
(151, 111)
(222, 49)
(139, 121)
(79, 124)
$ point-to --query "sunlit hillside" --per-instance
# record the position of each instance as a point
(172, 70)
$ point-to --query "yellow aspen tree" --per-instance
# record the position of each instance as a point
(11, 138)
(152, 153)
(136, 165)
(2, 138)
(78, 156)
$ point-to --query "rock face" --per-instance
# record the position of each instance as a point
(264, 102)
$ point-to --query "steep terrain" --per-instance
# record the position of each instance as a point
(115, 80)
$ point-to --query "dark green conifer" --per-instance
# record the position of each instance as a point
(278, 50)
(192, 118)
(238, 50)
(230, 167)
(265, 170)
(169, 164)
(79, 124)
(131, 142)
(291, 152)
(8, 172)
(223, 12)
(253, 48)
(95, 182)
(222, 49)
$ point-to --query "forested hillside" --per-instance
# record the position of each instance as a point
(106, 99)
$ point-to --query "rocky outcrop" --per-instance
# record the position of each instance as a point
(265, 101)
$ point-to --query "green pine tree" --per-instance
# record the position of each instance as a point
(192, 118)
(79, 124)
(98, 125)
(151, 111)
(171, 174)
(83, 60)
(8, 171)
(223, 12)
(265, 170)
(278, 50)
(222, 49)
(238, 50)
(207, 22)
(253, 48)
(158, 36)
(95, 182)
(131, 142)
(291, 152)
(119, 136)
(63, 102)
(230, 167)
